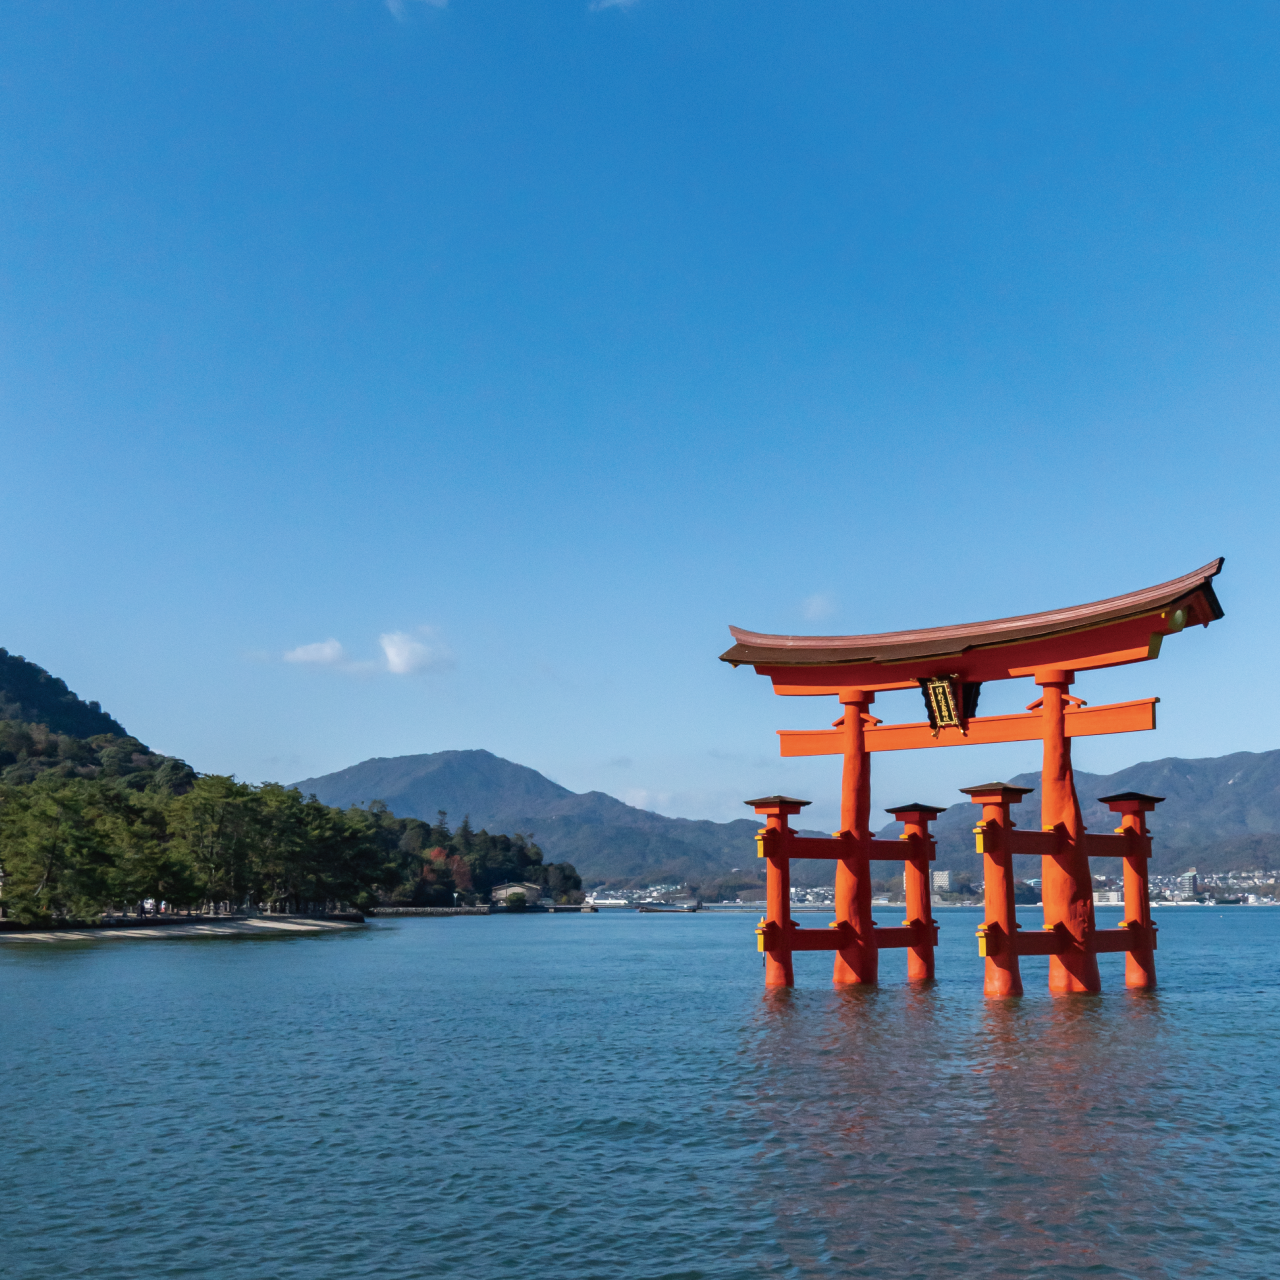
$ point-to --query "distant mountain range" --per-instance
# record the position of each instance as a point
(604, 838)
(1220, 813)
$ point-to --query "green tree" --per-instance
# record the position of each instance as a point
(55, 866)
(144, 863)
(211, 826)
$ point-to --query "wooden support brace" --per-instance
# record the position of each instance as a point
(770, 937)
(1120, 845)
(1040, 844)
(1055, 942)
(1126, 938)
(899, 850)
(836, 937)
(822, 939)
(910, 935)
(1045, 942)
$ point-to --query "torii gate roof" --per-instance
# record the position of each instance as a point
(1111, 632)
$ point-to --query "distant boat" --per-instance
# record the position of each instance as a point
(671, 910)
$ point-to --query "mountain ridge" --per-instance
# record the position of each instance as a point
(571, 826)
(1219, 810)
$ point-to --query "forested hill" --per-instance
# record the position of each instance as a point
(603, 837)
(29, 694)
(91, 820)
(1220, 813)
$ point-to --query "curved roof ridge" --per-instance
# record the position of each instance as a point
(964, 635)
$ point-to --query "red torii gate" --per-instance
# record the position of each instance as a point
(950, 664)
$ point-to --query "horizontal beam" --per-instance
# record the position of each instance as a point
(1044, 844)
(1122, 939)
(837, 937)
(907, 936)
(818, 847)
(1040, 844)
(1054, 942)
(1043, 942)
(1079, 722)
(820, 939)
(1116, 846)
(792, 938)
(794, 846)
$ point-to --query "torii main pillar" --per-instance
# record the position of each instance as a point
(1066, 884)
(860, 962)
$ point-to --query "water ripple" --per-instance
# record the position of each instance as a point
(610, 1096)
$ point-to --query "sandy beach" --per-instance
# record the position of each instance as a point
(245, 926)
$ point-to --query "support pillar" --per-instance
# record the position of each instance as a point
(859, 962)
(775, 929)
(1065, 883)
(999, 933)
(915, 819)
(1140, 960)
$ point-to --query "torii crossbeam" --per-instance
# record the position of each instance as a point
(950, 665)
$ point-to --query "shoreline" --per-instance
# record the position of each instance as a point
(228, 927)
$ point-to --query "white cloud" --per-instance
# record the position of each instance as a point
(325, 653)
(406, 653)
(642, 798)
(820, 605)
(397, 9)
(403, 652)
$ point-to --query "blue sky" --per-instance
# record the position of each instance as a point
(387, 379)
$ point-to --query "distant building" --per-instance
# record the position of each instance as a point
(532, 892)
(1108, 898)
(944, 881)
(1189, 882)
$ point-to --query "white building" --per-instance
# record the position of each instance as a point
(944, 881)
(532, 892)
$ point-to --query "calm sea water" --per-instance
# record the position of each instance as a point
(616, 1096)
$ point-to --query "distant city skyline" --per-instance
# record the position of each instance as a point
(384, 379)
